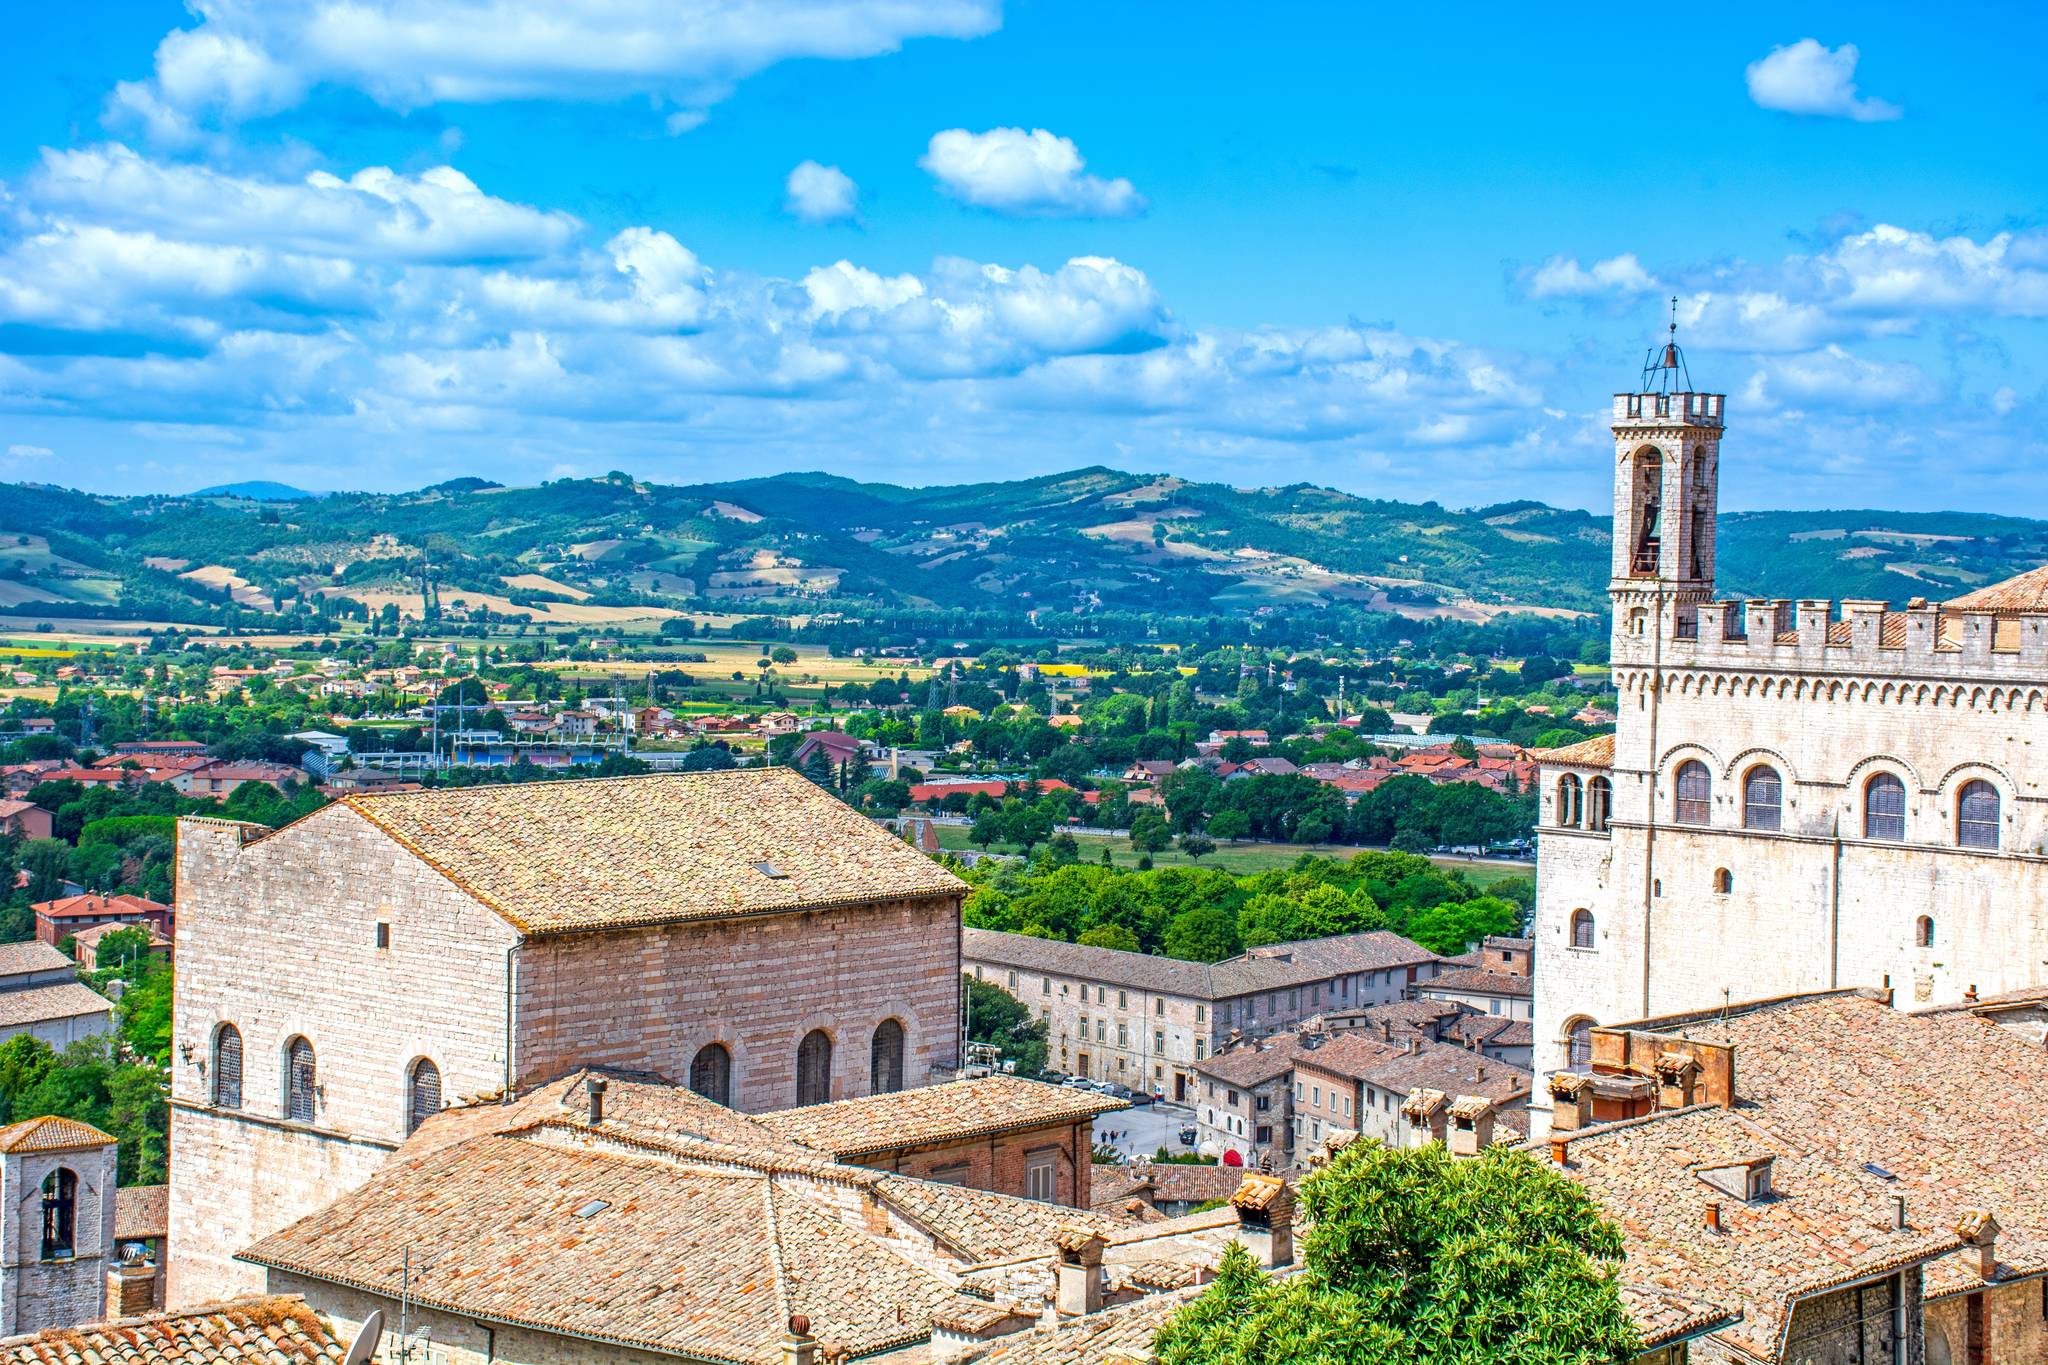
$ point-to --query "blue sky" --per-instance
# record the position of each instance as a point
(382, 243)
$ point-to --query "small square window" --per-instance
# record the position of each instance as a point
(383, 934)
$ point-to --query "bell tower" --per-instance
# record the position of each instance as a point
(1667, 470)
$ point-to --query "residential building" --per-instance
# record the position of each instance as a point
(221, 779)
(85, 943)
(1510, 995)
(1798, 796)
(1361, 1084)
(56, 1224)
(60, 918)
(41, 996)
(1936, 1115)
(990, 1133)
(1434, 1021)
(24, 819)
(740, 930)
(838, 748)
(1146, 1021)
(1243, 1112)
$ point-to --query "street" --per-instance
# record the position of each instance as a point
(1145, 1129)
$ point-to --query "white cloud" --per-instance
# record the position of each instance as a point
(684, 121)
(376, 213)
(1029, 174)
(821, 194)
(26, 452)
(247, 58)
(1564, 277)
(1808, 78)
(1833, 378)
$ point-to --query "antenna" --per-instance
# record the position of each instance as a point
(367, 1336)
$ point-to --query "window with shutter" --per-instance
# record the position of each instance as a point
(299, 1081)
(814, 1068)
(711, 1073)
(1884, 807)
(425, 1094)
(1977, 815)
(885, 1058)
(227, 1067)
(1695, 793)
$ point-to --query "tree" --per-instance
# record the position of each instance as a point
(1148, 832)
(1110, 936)
(1230, 824)
(817, 768)
(995, 1016)
(706, 758)
(782, 654)
(1197, 845)
(988, 827)
(1206, 933)
(1416, 1258)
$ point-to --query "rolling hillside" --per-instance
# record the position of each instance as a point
(604, 552)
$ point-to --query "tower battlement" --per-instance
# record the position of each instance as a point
(1864, 637)
(1673, 409)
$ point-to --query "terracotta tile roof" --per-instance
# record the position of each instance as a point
(1665, 1316)
(51, 1134)
(2027, 592)
(92, 903)
(1478, 981)
(641, 1252)
(1254, 1061)
(977, 1225)
(1597, 752)
(142, 1211)
(1125, 1331)
(1175, 1182)
(39, 1004)
(262, 1330)
(1913, 1095)
(31, 955)
(608, 853)
(955, 1111)
(1275, 967)
(1829, 1223)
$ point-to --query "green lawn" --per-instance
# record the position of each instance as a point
(1240, 858)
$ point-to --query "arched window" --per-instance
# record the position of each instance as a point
(1570, 801)
(227, 1067)
(1695, 793)
(814, 1068)
(885, 1058)
(1582, 928)
(1724, 881)
(1884, 807)
(1599, 804)
(1977, 815)
(711, 1073)
(300, 1081)
(1923, 932)
(1578, 1045)
(423, 1094)
(60, 1213)
(1763, 798)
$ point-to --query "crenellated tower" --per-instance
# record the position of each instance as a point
(1667, 465)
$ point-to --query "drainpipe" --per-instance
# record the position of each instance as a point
(510, 960)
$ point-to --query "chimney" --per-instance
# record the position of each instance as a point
(1424, 1110)
(1561, 1151)
(1570, 1100)
(1677, 1080)
(1265, 1219)
(1080, 1271)
(1979, 1229)
(1899, 1213)
(799, 1347)
(595, 1086)
(1471, 1130)
(1713, 1215)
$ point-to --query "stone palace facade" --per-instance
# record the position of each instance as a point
(1799, 795)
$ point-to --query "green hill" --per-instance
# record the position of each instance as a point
(607, 550)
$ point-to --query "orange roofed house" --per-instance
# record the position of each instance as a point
(742, 933)
(67, 915)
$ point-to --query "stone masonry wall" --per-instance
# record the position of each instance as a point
(36, 1294)
(647, 1000)
(1814, 905)
(279, 939)
(449, 1339)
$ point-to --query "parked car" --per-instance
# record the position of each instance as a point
(1187, 1135)
(1117, 1092)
